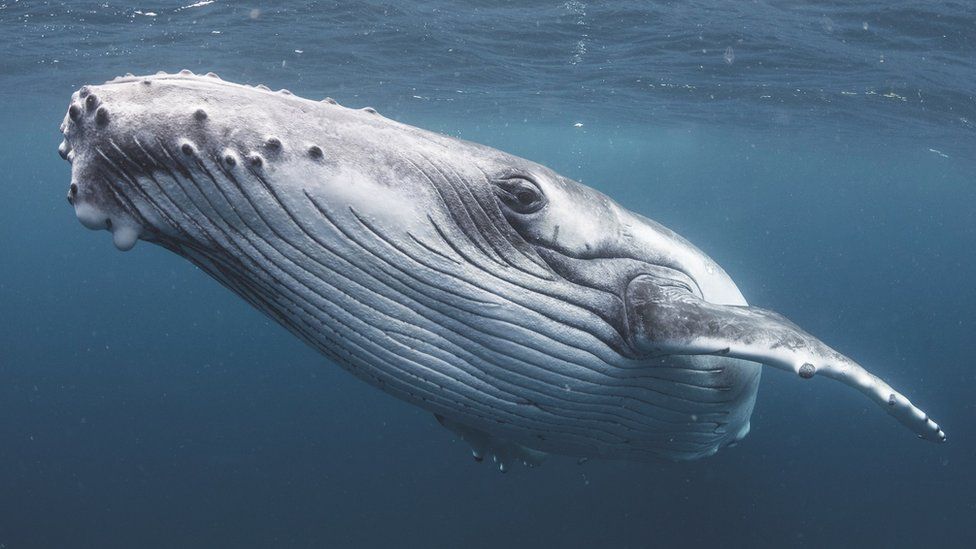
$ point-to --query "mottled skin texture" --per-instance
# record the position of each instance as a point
(531, 314)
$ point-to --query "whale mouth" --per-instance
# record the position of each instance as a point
(96, 201)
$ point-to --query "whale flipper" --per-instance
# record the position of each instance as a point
(502, 453)
(669, 320)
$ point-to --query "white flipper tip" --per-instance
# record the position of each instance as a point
(914, 418)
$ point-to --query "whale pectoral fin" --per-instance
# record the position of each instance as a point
(669, 320)
(501, 452)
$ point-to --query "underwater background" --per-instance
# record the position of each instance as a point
(824, 153)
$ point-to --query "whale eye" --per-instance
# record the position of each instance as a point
(520, 194)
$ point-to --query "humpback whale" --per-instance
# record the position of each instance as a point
(529, 313)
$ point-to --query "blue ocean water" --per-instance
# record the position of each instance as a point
(823, 153)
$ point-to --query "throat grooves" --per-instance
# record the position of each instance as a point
(409, 315)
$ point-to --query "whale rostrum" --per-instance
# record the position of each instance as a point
(529, 313)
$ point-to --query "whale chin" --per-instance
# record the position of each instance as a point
(125, 232)
(94, 210)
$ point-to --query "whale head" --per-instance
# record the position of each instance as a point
(195, 162)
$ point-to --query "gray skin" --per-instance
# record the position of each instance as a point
(531, 314)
